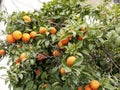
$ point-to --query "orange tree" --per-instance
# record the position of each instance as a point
(66, 45)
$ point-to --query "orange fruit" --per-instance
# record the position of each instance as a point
(37, 72)
(65, 41)
(17, 35)
(27, 18)
(56, 53)
(79, 88)
(33, 34)
(42, 30)
(23, 56)
(53, 30)
(87, 87)
(80, 38)
(62, 71)
(2, 52)
(17, 61)
(94, 84)
(25, 37)
(70, 60)
(60, 44)
(10, 38)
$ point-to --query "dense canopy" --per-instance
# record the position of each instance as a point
(66, 45)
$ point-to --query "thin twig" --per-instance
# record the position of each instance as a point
(110, 57)
(15, 5)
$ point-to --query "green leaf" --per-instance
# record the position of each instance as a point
(7, 80)
(55, 83)
(32, 62)
(78, 62)
(3, 67)
(67, 69)
(86, 52)
(54, 69)
(20, 76)
(39, 42)
(74, 33)
(53, 38)
(91, 46)
(47, 43)
(80, 56)
(29, 84)
(117, 41)
(44, 76)
(118, 29)
(17, 88)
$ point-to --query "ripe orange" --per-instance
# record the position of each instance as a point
(2, 52)
(65, 41)
(10, 38)
(25, 37)
(87, 87)
(53, 30)
(80, 88)
(70, 60)
(23, 56)
(62, 71)
(60, 44)
(17, 61)
(56, 53)
(17, 35)
(33, 34)
(37, 72)
(42, 30)
(80, 38)
(94, 84)
(27, 18)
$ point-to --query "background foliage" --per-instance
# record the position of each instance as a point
(97, 53)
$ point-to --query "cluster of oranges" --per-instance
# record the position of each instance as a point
(93, 85)
(43, 30)
(66, 40)
(25, 37)
(17, 35)
(70, 61)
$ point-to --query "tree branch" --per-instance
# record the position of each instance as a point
(110, 58)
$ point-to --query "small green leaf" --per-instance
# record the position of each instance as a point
(55, 83)
(47, 43)
(2, 67)
(20, 76)
(53, 38)
(86, 52)
(67, 69)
